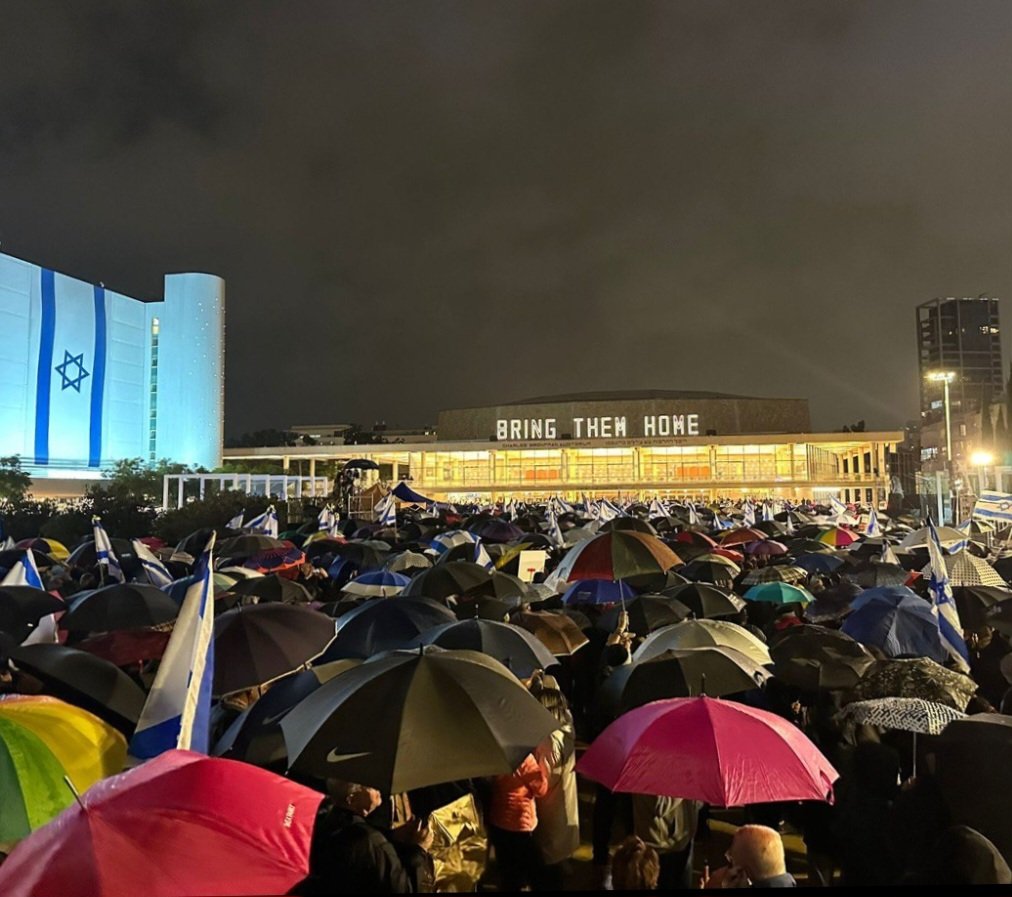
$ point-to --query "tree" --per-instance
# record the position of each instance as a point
(14, 482)
(268, 437)
(137, 481)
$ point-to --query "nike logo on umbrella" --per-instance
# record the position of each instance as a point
(335, 757)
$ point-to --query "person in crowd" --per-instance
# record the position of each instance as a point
(960, 856)
(512, 818)
(668, 825)
(635, 866)
(755, 859)
(349, 855)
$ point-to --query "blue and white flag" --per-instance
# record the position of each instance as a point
(767, 513)
(789, 525)
(871, 527)
(266, 524)
(994, 506)
(104, 554)
(964, 527)
(889, 556)
(24, 573)
(748, 514)
(657, 509)
(943, 605)
(153, 568)
(554, 530)
(177, 713)
(606, 511)
(325, 520)
(693, 515)
(386, 511)
(236, 522)
(481, 556)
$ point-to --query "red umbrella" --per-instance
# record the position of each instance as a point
(694, 538)
(742, 536)
(766, 548)
(720, 752)
(125, 647)
(181, 825)
(730, 554)
(620, 554)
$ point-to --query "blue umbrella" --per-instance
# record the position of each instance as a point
(377, 582)
(819, 563)
(598, 591)
(895, 620)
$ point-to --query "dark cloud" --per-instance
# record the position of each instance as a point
(745, 197)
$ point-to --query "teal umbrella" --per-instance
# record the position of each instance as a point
(778, 593)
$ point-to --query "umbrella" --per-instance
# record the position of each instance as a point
(120, 606)
(999, 616)
(56, 550)
(965, 569)
(557, 632)
(808, 546)
(703, 634)
(381, 583)
(914, 678)
(837, 537)
(483, 607)
(693, 538)
(276, 560)
(245, 546)
(495, 530)
(257, 644)
(905, 714)
(896, 621)
(645, 613)
(510, 588)
(21, 608)
(408, 562)
(681, 673)
(186, 804)
(382, 625)
(706, 600)
(520, 651)
(975, 602)
(127, 647)
(768, 548)
(617, 555)
(875, 575)
(255, 735)
(597, 591)
(471, 714)
(778, 593)
(947, 537)
(447, 580)
(719, 752)
(84, 555)
(742, 536)
(832, 603)
(786, 573)
(819, 563)
(84, 680)
(771, 527)
(271, 588)
(813, 658)
(41, 741)
(708, 571)
(628, 524)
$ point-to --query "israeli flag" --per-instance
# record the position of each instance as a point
(266, 523)
(236, 522)
(103, 552)
(789, 525)
(748, 514)
(964, 527)
(657, 509)
(718, 524)
(872, 528)
(889, 556)
(325, 520)
(481, 556)
(767, 512)
(386, 511)
(24, 573)
(693, 515)
(994, 506)
(943, 605)
(606, 511)
(554, 530)
(177, 713)
(154, 569)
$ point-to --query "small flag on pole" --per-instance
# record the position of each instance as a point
(386, 510)
(104, 554)
(872, 528)
(153, 568)
(24, 573)
(943, 604)
(236, 522)
(266, 523)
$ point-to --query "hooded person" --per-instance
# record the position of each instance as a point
(961, 856)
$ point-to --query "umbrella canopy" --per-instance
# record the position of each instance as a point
(496, 530)
(383, 625)
(778, 593)
(84, 680)
(645, 614)
(127, 647)
(785, 573)
(557, 632)
(808, 546)
(597, 591)
(832, 604)
(629, 524)
(448, 580)
(742, 536)
(257, 644)
(245, 546)
(706, 749)
(617, 555)
(875, 574)
(707, 571)
(819, 563)
(84, 555)
(472, 715)
(975, 602)
(837, 537)
(21, 608)
(896, 621)
(483, 607)
(903, 714)
(380, 583)
(271, 588)
(56, 550)
(691, 537)
(513, 646)
(706, 600)
(276, 560)
(510, 588)
(769, 548)
(186, 804)
(966, 569)
(680, 673)
(408, 562)
(730, 559)
(120, 606)
(947, 537)
(914, 678)
(703, 634)
(813, 658)
(42, 740)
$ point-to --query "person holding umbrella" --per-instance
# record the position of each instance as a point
(512, 818)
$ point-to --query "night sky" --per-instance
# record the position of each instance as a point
(418, 204)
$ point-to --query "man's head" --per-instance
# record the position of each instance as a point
(759, 851)
(360, 799)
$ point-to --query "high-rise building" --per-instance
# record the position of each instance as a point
(962, 336)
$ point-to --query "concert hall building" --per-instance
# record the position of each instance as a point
(626, 444)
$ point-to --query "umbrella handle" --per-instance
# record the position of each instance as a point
(915, 756)
(74, 791)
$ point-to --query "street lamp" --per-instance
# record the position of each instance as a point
(945, 378)
(981, 459)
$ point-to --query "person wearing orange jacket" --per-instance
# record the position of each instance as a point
(512, 818)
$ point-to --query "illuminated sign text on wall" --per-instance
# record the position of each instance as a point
(607, 427)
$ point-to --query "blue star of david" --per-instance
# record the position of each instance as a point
(69, 361)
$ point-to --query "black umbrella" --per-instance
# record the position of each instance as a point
(272, 588)
(21, 608)
(482, 607)
(707, 600)
(120, 606)
(246, 545)
(446, 580)
(712, 671)
(709, 571)
(633, 524)
(512, 646)
(646, 613)
(876, 574)
(257, 644)
(255, 735)
(11, 557)
(384, 624)
(814, 657)
(84, 555)
(975, 602)
(416, 718)
(368, 555)
(84, 680)
(1004, 567)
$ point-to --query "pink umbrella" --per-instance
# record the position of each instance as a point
(720, 752)
(767, 548)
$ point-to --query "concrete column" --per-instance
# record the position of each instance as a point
(202, 483)
(165, 493)
(286, 463)
(181, 496)
(312, 467)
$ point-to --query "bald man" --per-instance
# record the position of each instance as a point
(755, 860)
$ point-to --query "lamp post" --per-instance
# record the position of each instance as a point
(981, 459)
(945, 378)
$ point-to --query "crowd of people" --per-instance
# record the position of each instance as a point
(827, 612)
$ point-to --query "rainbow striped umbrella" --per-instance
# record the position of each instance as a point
(620, 554)
(43, 739)
(837, 537)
